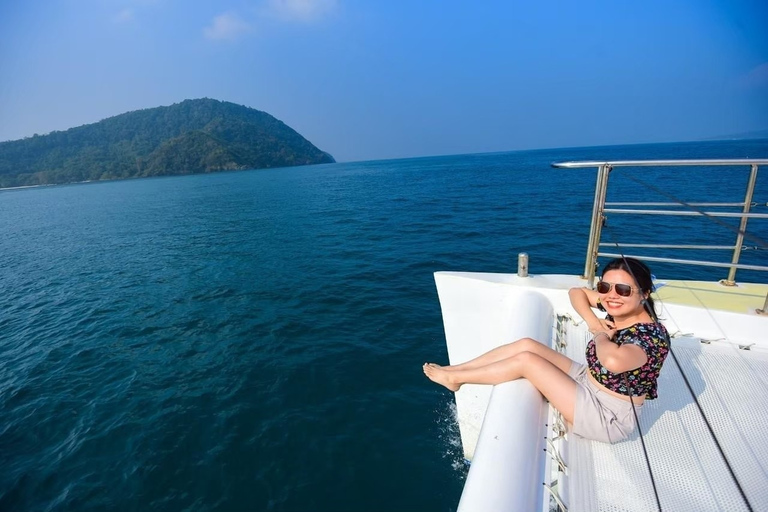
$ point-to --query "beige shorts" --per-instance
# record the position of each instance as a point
(598, 415)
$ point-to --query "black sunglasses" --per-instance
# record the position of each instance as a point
(621, 289)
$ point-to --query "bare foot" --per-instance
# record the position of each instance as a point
(446, 368)
(437, 374)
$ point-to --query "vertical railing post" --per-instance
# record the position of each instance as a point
(763, 311)
(742, 225)
(596, 227)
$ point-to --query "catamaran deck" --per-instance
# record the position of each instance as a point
(731, 384)
(739, 298)
(721, 344)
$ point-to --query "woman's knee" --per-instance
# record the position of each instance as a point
(527, 344)
(527, 358)
(532, 364)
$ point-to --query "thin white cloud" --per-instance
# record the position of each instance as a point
(301, 10)
(124, 16)
(757, 78)
(226, 26)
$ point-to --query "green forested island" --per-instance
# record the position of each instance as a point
(193, 136)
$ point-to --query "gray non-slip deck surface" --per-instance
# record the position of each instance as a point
(732, 388)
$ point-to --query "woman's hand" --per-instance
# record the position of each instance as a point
(601, 324)
(607, 334)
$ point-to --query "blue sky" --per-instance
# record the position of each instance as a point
(366, 79)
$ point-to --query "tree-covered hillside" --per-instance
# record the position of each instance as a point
(193, 136)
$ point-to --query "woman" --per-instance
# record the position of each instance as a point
(624, 357)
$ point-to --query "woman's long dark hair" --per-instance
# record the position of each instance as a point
(642, 276)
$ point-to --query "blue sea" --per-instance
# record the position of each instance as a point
(253, 340)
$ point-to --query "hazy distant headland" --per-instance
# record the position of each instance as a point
(194, 136)
(755, 134)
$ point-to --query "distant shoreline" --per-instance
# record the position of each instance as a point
(54, 184)
(25, 186)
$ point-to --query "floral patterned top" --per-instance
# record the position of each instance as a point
(654, 340)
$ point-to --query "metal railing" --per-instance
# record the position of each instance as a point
(599, 210)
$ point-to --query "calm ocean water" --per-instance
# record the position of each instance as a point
(254, 340)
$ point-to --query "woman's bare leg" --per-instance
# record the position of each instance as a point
(548, 378)
(511, 350)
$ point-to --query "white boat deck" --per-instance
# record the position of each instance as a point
(709, 335)
(731, 385)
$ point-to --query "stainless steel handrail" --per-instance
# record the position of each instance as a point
(684, 213)
(599, 210)
(689, 262)
(674, 246)
(627, 203)
(662, 163)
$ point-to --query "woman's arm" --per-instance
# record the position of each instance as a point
(583, 300)
(615, 358)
